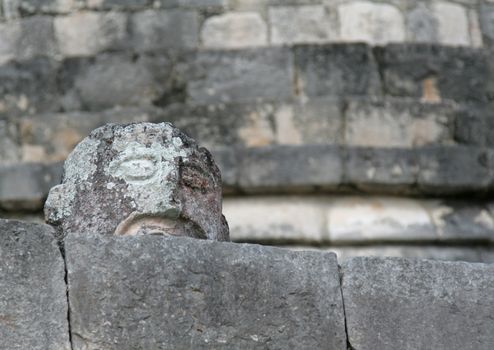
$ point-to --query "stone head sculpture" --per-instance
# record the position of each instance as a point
(138, 179)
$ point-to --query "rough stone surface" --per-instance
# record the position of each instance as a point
(452, 20)
(403, 304)
(177, 293)
(234, 30)
(33, 300)
(88, 33)
(379, 219)
(421, 24)
(299, 24)
(487, 22)
(371, 22)
(335, 70)
(154, 30)
(238, 76)
(290, 219)
(138, 179)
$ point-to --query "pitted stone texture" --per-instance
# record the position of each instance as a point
(452, 20)
(419, 304)
(33, 301)
(139, 178)
(178, 293)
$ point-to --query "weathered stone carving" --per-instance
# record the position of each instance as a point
(139, 179)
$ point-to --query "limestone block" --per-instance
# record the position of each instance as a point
(379, 219)
(273, 168)
(335, 70)
(9, 148)
(422, 26)
(155, 30)
(33, 300)
(299, 24)
(238, 76)
(28, 87)
(397, 303)
(453, 169)
(452, 20)
(234, 30)
(177, 293)
(88, 33)
(290, 219)
(213, 5)
(388, 170)
(29, 7)
(374, 23)
(435, 73)
(24, 185)
(10, 32)
(117, 4)
(486, 14)
(396, 123)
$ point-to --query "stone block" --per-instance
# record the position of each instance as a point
(114, 80)
(234, 30)
(299, 24)
(226, 159)
(422, 25)
(154, 30)
(276, 219)
(374, 23)
(453, 169)
(452, 23)
(397, 123)
(207, 5)
(435, 73)
(30, 7)
(9, 147)
(10, 32)
(238, 76)
(457, 222)
(379, 219)
(118, 4)
(28, 87)
(290, 168)
(174, 293)
(37, 38)
(418, 251)
(335, 70)
(33, 300)
(486, 14)
(88, 33)
(26, 185)
(389, 170)
(418, 303)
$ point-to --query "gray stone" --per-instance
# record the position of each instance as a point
(28, 87)
(389, 170)
(139, 179)
(421, 24)
(33, 300)
(30, 7)
(37, 38)
(9, 137)
(335, 70)
(487, 22)
(178, 293)
(419, 304)
(153, 30)
(435, 73)
(238, 76)
(290, 168)
(114, 80)
(453, 169)
(226, 158)
(118, 4)
(25, 185)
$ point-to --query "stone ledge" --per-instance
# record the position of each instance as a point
(423, 304)
(187, 293)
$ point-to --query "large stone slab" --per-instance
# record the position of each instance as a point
(418, 304)
(175, 293)
(33, 301)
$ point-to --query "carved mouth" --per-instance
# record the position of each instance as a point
(141, 224)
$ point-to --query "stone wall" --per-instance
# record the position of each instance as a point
(155, 292)
(365, 127)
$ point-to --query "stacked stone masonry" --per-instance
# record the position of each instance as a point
(67, 27)
(132, 292)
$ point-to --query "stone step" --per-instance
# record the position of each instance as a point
(429, 73)
(425, 171)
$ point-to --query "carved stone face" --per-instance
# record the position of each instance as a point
(139, 179)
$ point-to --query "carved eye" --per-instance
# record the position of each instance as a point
(195, 178)
(138, 169)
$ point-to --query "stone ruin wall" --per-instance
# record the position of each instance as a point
(361, 127)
